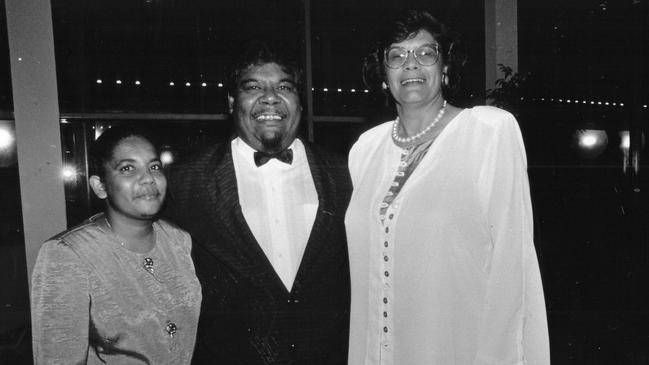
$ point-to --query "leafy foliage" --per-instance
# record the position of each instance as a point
(510, 91)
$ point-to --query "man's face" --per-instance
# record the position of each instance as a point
(266, 107)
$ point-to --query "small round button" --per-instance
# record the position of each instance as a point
(148, 264)
(171, 329)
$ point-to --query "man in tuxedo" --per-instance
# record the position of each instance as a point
(266, 211)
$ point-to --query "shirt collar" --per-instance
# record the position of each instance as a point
(244, 150)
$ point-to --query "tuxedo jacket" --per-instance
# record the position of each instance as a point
(248, 316)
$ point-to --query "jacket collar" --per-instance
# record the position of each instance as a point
(223, 192)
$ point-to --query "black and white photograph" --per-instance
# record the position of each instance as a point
(324, 182)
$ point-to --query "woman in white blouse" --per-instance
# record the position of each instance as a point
(440, 229)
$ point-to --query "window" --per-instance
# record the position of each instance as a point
(14, 291)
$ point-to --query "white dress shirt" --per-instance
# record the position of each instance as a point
(279, 203)
(450, 276)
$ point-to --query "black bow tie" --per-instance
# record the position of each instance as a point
(285, 156)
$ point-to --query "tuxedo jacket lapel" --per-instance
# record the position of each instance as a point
(223, 192)
(325, 216)
(242, 249)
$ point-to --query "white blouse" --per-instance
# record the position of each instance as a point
(450, 276)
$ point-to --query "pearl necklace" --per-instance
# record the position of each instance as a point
(395, 127)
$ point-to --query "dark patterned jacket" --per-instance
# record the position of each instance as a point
(248, 316)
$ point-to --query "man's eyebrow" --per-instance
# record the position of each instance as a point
(245, 81)
(286, 79)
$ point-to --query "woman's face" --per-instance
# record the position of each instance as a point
(412, 83)
(134, 183)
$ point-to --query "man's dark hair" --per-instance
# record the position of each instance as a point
(258, 52)
(102, 149)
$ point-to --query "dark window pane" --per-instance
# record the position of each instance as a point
(15, 339)
(6, 102)
(582, 98)
(123, 55)
(344, 31)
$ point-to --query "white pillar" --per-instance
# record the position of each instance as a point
(36, 113)
(501, 38)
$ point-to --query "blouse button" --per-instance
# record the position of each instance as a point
(385, 300)
(385, 258)
(385, 243)
(391, 216)
(171, 329)
(387, 229)
(386, 274)
(385, 314)
(385, 329)
(148, 264)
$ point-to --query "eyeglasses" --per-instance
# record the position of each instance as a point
(426, 55)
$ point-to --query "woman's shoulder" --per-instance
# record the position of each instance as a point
(81, 235)
(82, 243)
(491, 115)
(492, 126)
(373, 135)
(177, 236)
(170, 227)
(376, 131)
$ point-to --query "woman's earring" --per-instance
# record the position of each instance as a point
(444, 79)
(384, 86)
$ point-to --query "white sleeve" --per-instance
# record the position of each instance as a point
(514, 327)
(354, 164)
